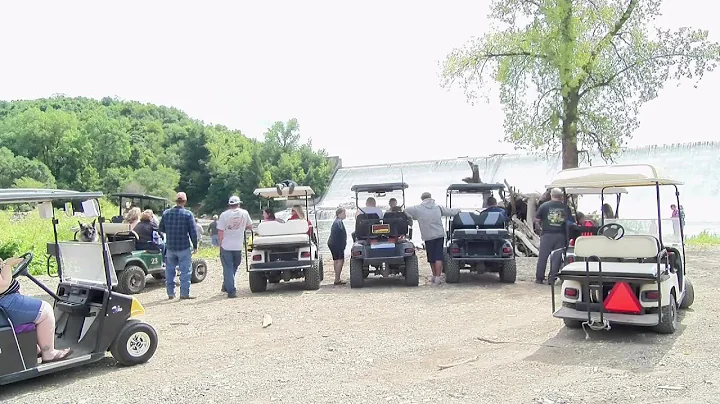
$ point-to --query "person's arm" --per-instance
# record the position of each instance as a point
(161, 225)
(539, 212)
(248, 219)
(193, 231)
(410, 212)
(448, 212)
(6, 268)
(220, 230)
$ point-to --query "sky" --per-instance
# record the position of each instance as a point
(362, 80)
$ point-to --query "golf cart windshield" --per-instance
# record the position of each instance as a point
(473, 197)
(83, 263)
(382, 193)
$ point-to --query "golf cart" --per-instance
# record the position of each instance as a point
(382, 246)
(633, 271)
(90, 318)
(480, 242)
(284, 251)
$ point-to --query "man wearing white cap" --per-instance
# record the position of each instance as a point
(178, 224)
(231, 228)
(212, 229)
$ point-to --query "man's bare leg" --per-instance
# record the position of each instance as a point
(437, 268)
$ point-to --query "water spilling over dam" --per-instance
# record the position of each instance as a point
(696, 164)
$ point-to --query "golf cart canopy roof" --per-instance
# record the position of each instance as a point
(377, 188)
(27, 195)
(621, 175)
(596, 191)
(475, 188)
(299, 191)
(138, 196)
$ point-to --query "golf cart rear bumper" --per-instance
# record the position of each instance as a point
(481, 259)
(387, 260)
(280, 265)
(643, 320)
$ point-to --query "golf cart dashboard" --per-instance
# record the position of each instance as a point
(78, 298)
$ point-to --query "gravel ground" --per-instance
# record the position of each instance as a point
(385, 344)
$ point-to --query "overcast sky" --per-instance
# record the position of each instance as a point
(361, 80)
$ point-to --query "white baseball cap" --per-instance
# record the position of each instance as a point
(234, 200)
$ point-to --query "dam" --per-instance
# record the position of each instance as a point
(696, 164)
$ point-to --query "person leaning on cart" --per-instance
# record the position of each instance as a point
(25, 310)
(554, 217)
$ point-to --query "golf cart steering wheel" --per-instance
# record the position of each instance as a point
(613, 231)
(21, 268)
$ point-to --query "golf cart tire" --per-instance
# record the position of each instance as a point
(668, 323)
(312, 276)
(412, 271)
(452, 269)
(131, 334)
(198, 271)
(357, 280)
(508, 271)
(322, 270)
(258, 282)
(689, 298)
(131, 280)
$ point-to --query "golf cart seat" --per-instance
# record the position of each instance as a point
(398, 222)
(276, 233)
(19, 328)
(469, 225)
(363, 225)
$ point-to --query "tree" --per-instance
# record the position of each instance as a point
(574, 73)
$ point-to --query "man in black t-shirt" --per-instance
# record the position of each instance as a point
(554, 217)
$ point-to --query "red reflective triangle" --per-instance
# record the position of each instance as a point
(621, 299)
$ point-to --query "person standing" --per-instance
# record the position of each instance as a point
(429, 216)
(178, 224)
(231, 237)
(337, 243)
(212, 229)
(554, 217)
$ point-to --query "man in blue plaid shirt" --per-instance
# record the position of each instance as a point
(178, 224)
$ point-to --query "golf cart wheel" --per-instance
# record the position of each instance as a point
(569, 323)
(668, 323)
(135, 343)
(258, 282)
(199, 271)
(131, 280)
(452, 269)
(312, 276)
(158, 276)
(322, 270)
(689, 295)
(412, 271)
(508, 272)
(357, 280)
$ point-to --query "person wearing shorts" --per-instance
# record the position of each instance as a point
(337, 243)
(429, 216)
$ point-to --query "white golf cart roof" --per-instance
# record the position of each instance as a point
(596, 191)
(299, 191)
(35, 195)
(621, 175)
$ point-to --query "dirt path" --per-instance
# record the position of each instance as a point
(385, 343)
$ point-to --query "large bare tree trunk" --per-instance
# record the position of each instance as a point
(569, 130)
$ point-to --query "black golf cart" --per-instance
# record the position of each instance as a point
(480, 242)
(382, 246)
(90, 318)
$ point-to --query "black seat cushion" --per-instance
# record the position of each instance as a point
(482, 220)
(363, 225)
(398, 222)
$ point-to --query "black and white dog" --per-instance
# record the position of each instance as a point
(87, 232)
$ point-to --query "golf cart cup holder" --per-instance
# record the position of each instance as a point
(22, 267)
(613, 231)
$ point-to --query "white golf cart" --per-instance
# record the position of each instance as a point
(633, 271)
(284, 250)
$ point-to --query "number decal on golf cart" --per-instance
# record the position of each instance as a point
(154, 260)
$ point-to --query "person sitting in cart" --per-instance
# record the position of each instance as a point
(299, 214)
(370, 208)
(148, 234)
(269, 216)
(492, 207)
(25, 310)
(393, 206)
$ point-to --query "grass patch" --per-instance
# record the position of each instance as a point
(21, 232)
(704, 239)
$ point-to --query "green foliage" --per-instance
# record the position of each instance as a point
(21, 232)
(704, 239)
(112, 145)
(573, 74)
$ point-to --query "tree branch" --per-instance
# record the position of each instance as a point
(610, 35)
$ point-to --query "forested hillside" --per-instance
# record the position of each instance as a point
(112, 145)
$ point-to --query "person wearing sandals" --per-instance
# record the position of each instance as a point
(25, 310)
(337, 243)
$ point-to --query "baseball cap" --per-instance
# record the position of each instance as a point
(181, 196)
(425, 195)
(234, 200)
(215, 217)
